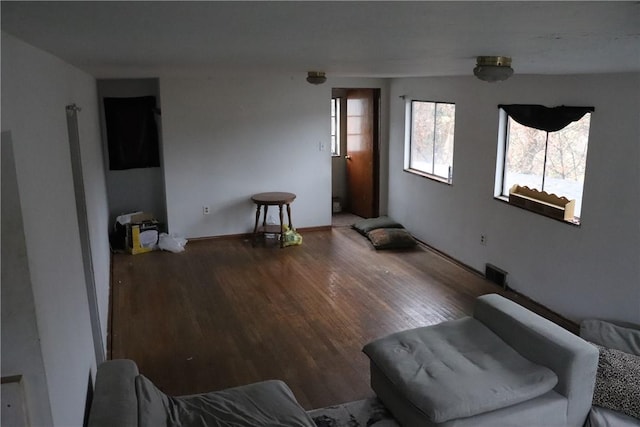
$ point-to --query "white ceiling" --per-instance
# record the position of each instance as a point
(376, 39)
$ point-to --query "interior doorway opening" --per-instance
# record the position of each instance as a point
(355, 141)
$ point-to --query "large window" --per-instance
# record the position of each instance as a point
(335, 126)
(429, 140)
(545, 157)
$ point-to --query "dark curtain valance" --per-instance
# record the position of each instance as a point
(545, 118)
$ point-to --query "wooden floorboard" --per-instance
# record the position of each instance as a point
(224, 313)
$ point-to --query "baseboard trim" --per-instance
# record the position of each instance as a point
(250, 235)
(450, 258)
(511, 293)
(221, 237)
(312, 229)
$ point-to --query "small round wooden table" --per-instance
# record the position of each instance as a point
(272, 199)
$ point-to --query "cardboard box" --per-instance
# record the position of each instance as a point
(142, 233)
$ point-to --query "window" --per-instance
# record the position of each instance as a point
(335, 126)
(545, 156)
(429, 139)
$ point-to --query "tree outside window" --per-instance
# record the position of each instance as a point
(553, 162)
(431, 139)
(335, 126)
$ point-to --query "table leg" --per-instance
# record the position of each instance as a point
(289, 215)
(255, 227)
(264, 218)
(281, 228)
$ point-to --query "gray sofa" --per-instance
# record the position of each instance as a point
(124, 398)
(505, 366)
(617, 394)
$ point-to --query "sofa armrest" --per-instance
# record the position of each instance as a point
(574, 360)
(114, 398)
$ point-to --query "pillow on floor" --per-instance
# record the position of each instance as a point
(366, 225)
(618, 382)
(391, 238)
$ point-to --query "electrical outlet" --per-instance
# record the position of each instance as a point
(483, 239)
(205, 210)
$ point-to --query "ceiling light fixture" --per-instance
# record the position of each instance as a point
(316, 77)
(493, 68)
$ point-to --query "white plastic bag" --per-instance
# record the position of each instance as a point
(171, 243)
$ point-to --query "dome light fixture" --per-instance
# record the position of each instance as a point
(493, 68)
(316, 77)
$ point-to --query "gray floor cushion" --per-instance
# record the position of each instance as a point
(458, 369)
(391, 238)
(366, 225)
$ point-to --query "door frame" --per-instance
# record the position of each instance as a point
(340, 161)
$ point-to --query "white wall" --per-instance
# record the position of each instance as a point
(228, 136)
(36, 87)
(588, 271)
(21, 353)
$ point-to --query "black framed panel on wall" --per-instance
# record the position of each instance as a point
(132, 132)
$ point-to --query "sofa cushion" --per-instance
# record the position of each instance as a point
(267, 403)
(603, 417)
(391, 238)
(114, 397)
(366, 225)
(457, 369)
(618, 382)
(620, 337)
(152, 403)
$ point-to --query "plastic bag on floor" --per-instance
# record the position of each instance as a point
(291, 237)
(171, 243)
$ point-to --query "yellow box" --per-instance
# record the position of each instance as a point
(142, 234)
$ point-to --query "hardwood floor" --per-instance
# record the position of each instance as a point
(222, 313)
(344, 219)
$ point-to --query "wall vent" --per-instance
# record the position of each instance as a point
(496, 275)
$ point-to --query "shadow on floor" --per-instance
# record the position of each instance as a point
(344, 219)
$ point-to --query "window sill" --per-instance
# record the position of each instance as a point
(575, 222)
(429, 176)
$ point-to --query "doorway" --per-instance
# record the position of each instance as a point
(355, 151)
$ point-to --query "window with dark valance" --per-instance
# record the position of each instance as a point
(544, 149)
(132, 133)
(545, 118)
